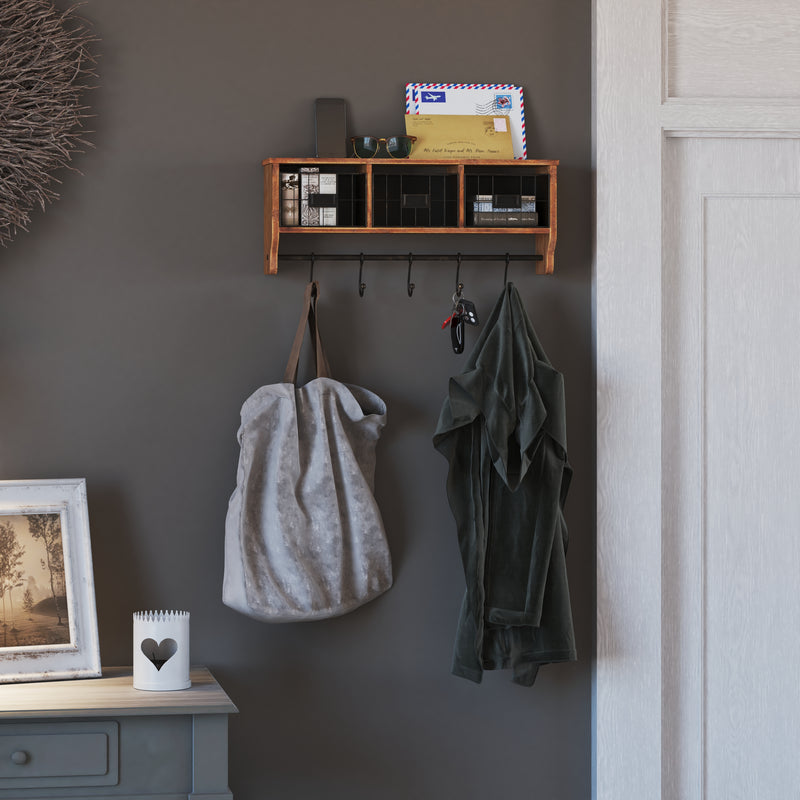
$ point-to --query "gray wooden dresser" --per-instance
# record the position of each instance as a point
(101, 739)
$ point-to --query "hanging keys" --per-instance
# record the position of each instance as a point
(456, 311)
(463, 313)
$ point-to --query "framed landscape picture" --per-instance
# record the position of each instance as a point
(48, 617)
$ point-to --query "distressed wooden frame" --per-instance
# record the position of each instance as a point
(80, 656)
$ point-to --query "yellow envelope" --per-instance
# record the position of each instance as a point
(460, 136)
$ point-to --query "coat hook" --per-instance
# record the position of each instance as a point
(505, 274)
(459, 285)
(361, 284)
(311, 272)
(409, 285)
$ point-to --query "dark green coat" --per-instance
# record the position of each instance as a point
(502, 429)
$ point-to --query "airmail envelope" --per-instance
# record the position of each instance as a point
(460, 136)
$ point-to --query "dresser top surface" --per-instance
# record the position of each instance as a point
(111, 695)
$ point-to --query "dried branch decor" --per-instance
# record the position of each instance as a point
(45, 64)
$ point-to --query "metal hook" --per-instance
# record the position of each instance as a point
(311, 272)
(459, 285)
(505, 274)
(409, 285)
(361, 284)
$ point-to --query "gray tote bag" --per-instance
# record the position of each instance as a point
(304, 537)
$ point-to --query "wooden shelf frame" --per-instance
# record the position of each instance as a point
(544, 237)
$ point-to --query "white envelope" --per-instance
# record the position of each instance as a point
(472, 98)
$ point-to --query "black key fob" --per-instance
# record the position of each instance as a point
(468, 312)
(457, 333)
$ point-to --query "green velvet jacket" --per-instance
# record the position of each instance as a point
(502, 429)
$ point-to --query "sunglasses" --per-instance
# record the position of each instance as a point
(396, 146)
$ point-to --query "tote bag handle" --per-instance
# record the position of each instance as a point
(308, 315)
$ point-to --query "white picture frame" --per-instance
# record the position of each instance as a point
(47, 601)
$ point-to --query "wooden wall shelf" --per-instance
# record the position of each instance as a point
(380, 196)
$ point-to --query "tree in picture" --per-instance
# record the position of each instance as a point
(27, 602)
(47, 529)
(11, 553)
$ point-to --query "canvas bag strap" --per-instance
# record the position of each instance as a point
(308, 316)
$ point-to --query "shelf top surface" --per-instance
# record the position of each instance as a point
(111, 695)
(516, 162)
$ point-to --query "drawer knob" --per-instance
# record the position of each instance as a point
(19, 757)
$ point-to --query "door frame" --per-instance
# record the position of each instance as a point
(627, 294)
(634, 115)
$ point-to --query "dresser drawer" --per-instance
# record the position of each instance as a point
(59, 754)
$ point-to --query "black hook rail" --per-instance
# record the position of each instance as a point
(312, 258)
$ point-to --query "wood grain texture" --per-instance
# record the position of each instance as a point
(752, 507)
(272, 213)
(312, 231)
(450, 165)
(730, 293)
(111, 695)
(733, 49)
(546, 243)
(462, 198)
(683, 298)
(628, 348)
(674, 719)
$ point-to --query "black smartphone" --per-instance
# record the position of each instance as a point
(330, 114)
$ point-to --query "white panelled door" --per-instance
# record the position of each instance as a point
(698, 371)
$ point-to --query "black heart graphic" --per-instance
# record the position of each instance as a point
(159, 652)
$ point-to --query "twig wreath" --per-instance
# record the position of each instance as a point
(45, 64)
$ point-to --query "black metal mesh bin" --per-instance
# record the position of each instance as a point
(351, 200)
(498, 189)
(414, 199)
(333, 197)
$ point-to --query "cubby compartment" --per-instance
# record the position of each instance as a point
(338, 197)
(414, 198)
(489, 192)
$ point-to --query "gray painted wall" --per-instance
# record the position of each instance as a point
(135, 320)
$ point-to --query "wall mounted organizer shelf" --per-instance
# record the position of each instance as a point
(402, 196)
